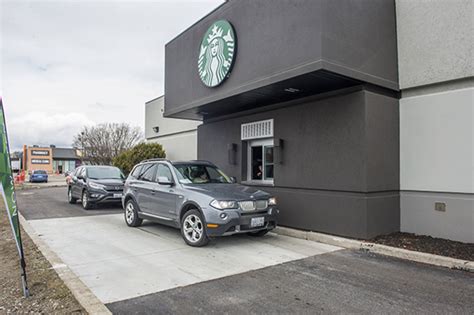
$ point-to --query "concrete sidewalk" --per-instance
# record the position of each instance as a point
(117, 262)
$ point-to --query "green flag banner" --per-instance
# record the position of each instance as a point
(7, 193)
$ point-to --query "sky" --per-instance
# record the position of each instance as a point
(67, 64)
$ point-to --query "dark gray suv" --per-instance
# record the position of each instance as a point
(198, 198)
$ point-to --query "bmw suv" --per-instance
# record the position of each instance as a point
(197, 198)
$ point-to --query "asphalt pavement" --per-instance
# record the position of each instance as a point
(341, 282)
(150, 271)
(47, 203)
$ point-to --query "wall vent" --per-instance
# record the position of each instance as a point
(257, 130)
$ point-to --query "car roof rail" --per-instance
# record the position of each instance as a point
(155, 160)
(191, 161)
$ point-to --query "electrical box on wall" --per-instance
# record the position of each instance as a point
(440, 206)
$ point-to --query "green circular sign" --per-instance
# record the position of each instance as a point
(216, 53)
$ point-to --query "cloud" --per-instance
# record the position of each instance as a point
(101, 60)
(44, 129)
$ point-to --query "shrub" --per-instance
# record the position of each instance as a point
(129, 158)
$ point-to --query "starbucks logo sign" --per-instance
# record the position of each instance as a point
(216, 53)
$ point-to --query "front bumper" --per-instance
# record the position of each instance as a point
(240, 222)
(104, 196)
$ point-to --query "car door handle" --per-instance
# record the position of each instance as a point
(153, 192)
(171, 191)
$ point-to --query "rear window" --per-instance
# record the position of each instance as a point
(136, 171)
(148, 173)
(104, 172)
(40, 172)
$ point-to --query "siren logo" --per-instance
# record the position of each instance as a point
(216, 53)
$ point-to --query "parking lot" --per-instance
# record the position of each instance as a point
(150, 269)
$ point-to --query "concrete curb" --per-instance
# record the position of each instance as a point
(39, 187)
(81, 292)
(425, 258)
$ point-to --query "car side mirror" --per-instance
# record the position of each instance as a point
(162, 180)
(233, 180)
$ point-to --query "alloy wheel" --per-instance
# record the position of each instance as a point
(85, 200)
(129, 213)
(193, 228)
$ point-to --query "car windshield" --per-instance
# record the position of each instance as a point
(104, 172)
(200, 174)
(39, 172)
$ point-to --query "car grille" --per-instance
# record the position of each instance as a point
(114, 188)
(261, 204)
(253, 205)
(247, 205)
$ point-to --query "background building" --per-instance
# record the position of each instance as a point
(15, 159)
(52, 159)
(178, 136)
(65, 159)
(436, 69)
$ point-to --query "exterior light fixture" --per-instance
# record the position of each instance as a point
(156, 129)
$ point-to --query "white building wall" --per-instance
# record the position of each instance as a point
(435, 48)
(177, 136)
(437, 142)
(181, 146)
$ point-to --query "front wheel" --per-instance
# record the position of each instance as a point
(70, 198)
(131, 214)
(86, 204)
(193, 229)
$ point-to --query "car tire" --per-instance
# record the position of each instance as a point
(193, 229)
(86, 204)
(70, 198)
(258, 233)
(131, 214)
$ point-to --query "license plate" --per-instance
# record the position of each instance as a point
(255, 222)
(117, 195)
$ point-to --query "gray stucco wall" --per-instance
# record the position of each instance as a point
(340, 161)
(278, 40)
(435, 41)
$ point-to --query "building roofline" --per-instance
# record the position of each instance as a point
(156, 98)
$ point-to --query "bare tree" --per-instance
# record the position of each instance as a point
(100, 144)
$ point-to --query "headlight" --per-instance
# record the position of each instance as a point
(96, 185)
(221, 205)
(272, 201)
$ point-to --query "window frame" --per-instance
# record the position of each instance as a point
(169, 169)
(265, 142)
(152, 165)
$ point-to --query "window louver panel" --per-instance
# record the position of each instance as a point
(257, 129)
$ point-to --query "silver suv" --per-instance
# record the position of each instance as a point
(198, 198)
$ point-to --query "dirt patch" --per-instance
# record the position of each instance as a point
(49, 295)
(428, 244)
